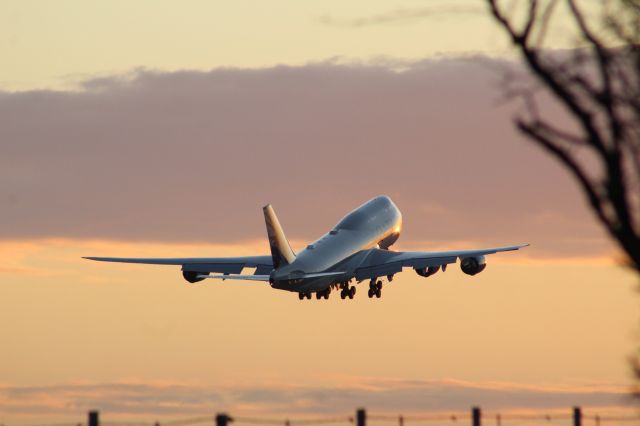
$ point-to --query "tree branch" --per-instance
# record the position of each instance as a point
(553, 81)
(532, 129)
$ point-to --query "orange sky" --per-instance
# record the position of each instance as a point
(561, 325)
(177, 159)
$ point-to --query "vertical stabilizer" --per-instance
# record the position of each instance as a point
(281, 252)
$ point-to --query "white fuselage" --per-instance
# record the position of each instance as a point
(377, 223)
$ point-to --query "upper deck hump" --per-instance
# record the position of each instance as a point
(375, 210)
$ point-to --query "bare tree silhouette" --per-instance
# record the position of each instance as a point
(598, 85)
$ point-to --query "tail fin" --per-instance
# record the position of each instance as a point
(280, 249)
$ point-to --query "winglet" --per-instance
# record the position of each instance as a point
(281, 252)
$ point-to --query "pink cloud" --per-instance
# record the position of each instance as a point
(192, 156)
(380, 396)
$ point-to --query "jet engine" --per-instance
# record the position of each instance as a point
(192, 276)
(427, 272)
(473, 265)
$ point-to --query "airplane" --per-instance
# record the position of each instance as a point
(356, 249)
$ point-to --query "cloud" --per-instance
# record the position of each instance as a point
(192, 156)
(402, 16)
(381, 396)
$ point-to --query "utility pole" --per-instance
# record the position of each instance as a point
(577, 416)
(361, 417)
(475, 416)
(93, 418)
(222, 419)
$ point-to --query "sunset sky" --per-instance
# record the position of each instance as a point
(159, 128)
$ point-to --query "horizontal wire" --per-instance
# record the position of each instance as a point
(127, 423)
(258, 421)
(188, 421)
(51, 424)
(487, 416)
(414, 418)
(533, 417)
(253, 420)
(617, 418)
(322, 420)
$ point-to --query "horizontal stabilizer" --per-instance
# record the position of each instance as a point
(266, 277)
(237, 277)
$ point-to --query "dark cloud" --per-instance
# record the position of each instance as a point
(193, 156)
(378, 396)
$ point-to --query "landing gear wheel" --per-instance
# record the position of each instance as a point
(309, 296)
(343, 294)
(352, 292)
(326, 293)
(318, 295)
(370, 293)
(378, 293)
(379, 286)
(301, 296)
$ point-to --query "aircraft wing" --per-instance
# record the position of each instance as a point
(223, 265)
(375, 263)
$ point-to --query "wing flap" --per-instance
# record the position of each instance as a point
(381, 270)
(222, 268)
(396, 261)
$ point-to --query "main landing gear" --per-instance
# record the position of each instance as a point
(347, 291)
(319, 295)
(375, 289)
(325, 293)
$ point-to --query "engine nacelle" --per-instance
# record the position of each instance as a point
(473, 265)
(427, 272)
(192, 276)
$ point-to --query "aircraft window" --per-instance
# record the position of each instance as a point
(333, 232)
(311, 246)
